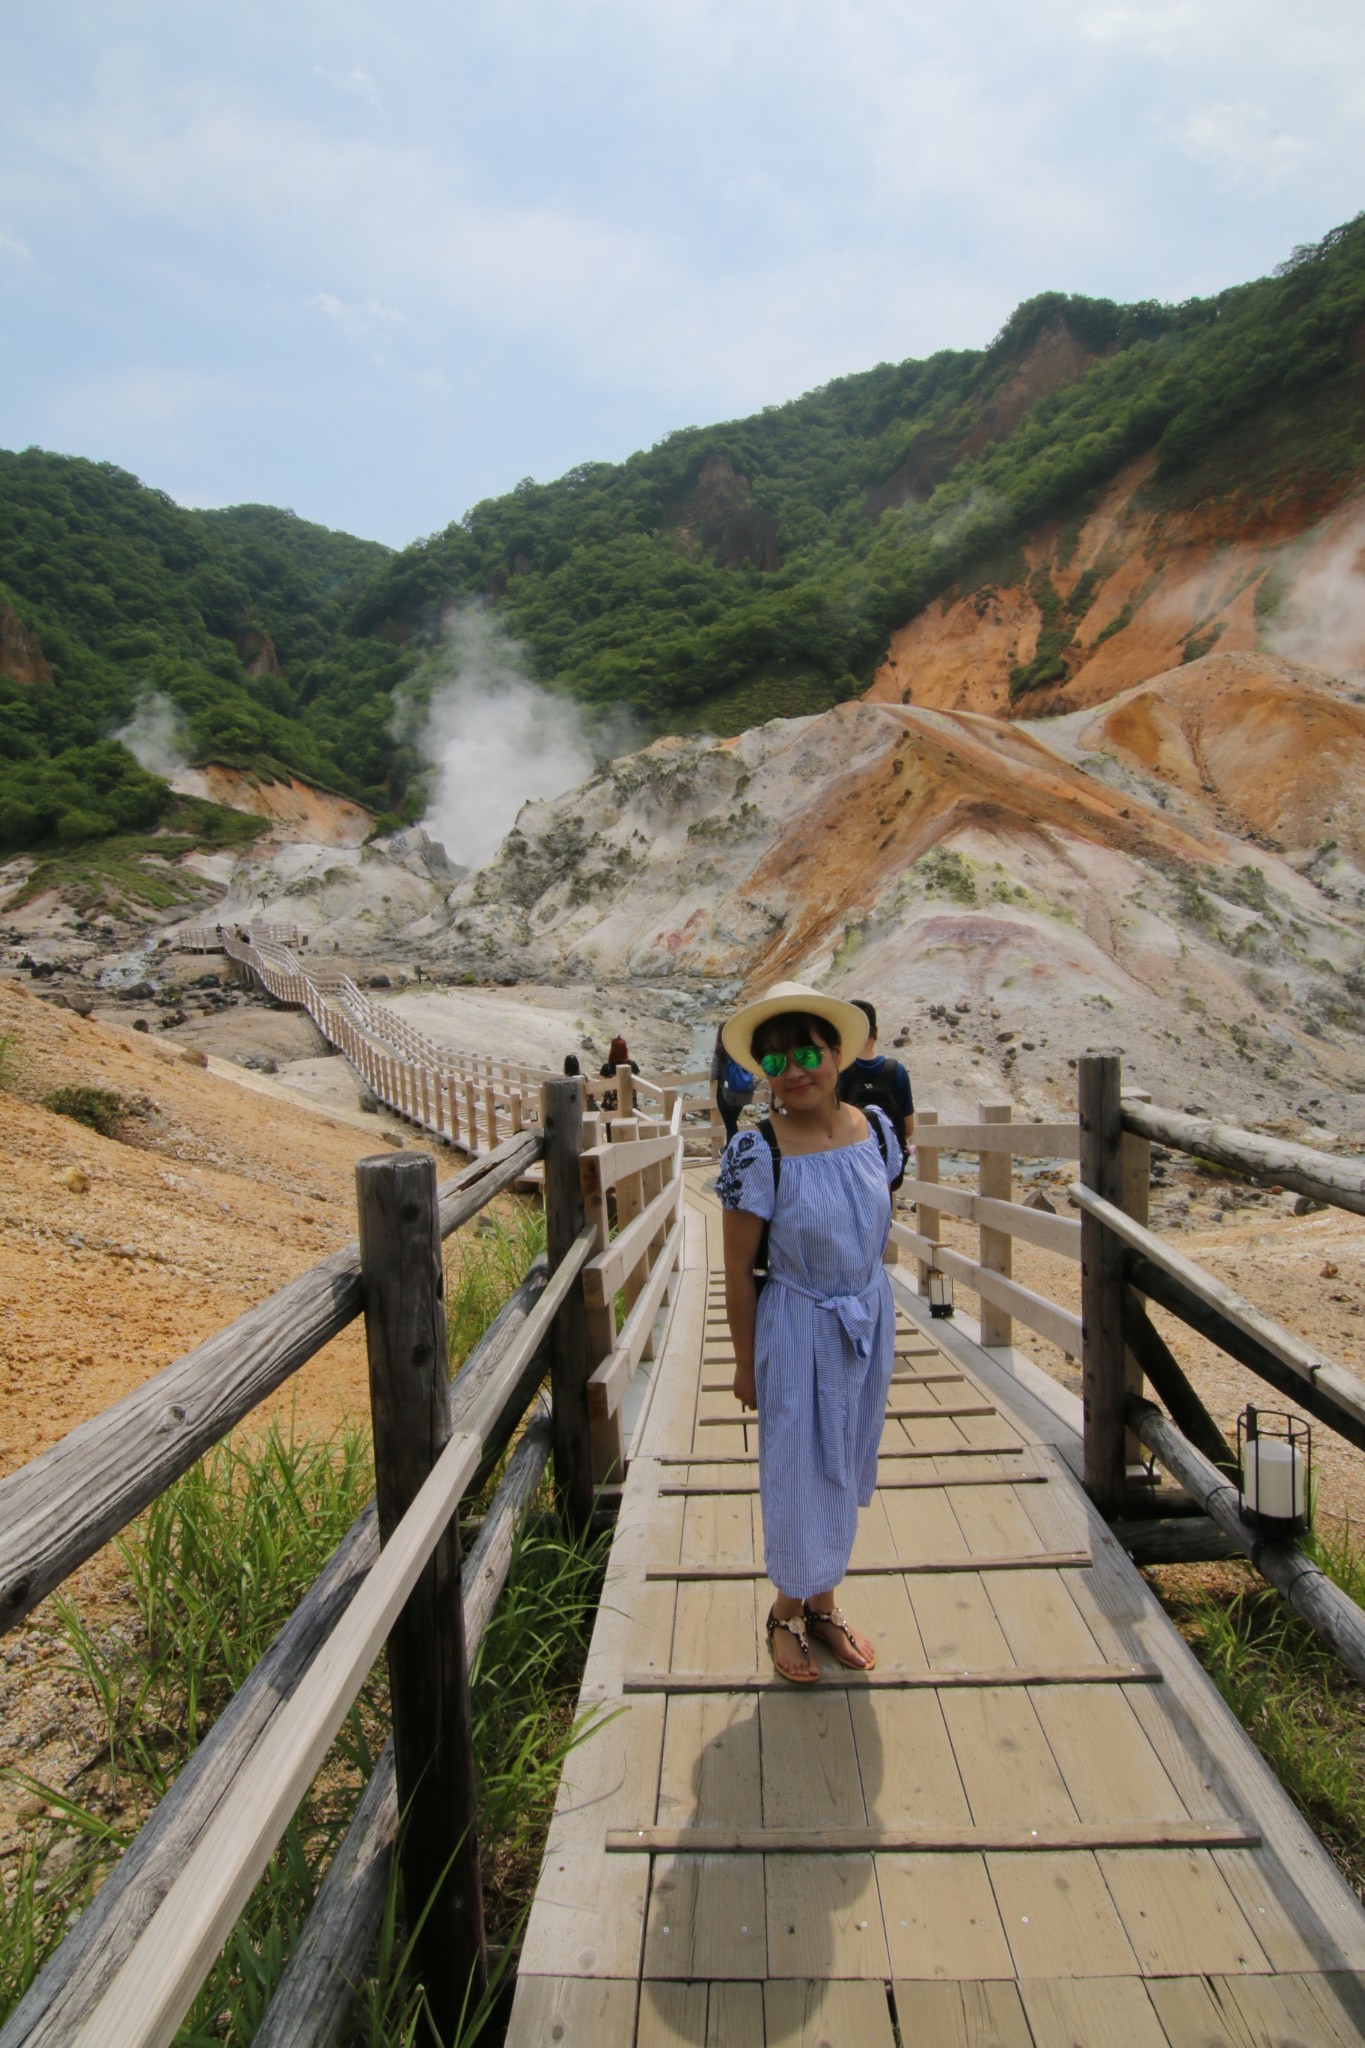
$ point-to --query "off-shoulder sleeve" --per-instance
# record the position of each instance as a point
(745, 1180)
(895, 1155)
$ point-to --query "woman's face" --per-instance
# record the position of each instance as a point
(798, 1087)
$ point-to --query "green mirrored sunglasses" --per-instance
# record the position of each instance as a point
(774, 1064)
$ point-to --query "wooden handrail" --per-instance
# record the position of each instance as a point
(488, 1397)
(1022, 1141)
(604, 1165)
(66, 1503)
(1298, 1357)
(614, 1374)
(608, 1270)
(154, 1988)
(1321, 1175)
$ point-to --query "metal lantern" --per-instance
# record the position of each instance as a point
(940, 1294)
(1274, 1470)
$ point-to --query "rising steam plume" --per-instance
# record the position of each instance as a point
(495, 738)
(157, 735)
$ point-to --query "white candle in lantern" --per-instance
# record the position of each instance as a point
(1273, 1479)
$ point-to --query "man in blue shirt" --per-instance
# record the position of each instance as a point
(874, 1078)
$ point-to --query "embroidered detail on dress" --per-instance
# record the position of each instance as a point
(739, 1157)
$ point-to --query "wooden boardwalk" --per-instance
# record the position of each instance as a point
(1036, 1827)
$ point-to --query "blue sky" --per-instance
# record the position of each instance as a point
(378, 262)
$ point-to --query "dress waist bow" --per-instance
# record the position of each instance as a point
(837, 1376)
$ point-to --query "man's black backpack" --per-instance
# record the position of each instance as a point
(769, 1136)
(880, 1090)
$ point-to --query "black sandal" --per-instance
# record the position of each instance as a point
(795, 1626)
(835, 1619)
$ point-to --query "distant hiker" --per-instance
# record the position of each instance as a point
(805, 1200)
(734, 1086)
(872, 1078)
(571, 1065)
(618, 1055)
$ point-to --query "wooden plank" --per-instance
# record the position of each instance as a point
(989, 1837)
(144, 2004)
(671, 2016)
(1109, 1768)
(895, 1413)
(588, 1915)
(610, 1379)
(1004, 1758)
(570, 1359)
(908, 1482)
(966, 2014)
(1322, 2010)
(905, 1761)
(1303, 1360)
(957, 1623)
(802, 2014)
(996, 1252)
(710, 1773)
(941, 1918)
(1103, 2012)
(1057, 1324)
(1064, 1560)
(1040, 1619)
(604, 1165)
(734, 2015)
(824, 1914)
(991, 1520)
(609, 1270)
(885, 1456)
(1024, 1141)
(568, 2009)
(810, 1766)
(433, 1730)
(1059, 1917)
(707, 1918)
(1102, 1285)
(1179, 1914)
(902, 1680)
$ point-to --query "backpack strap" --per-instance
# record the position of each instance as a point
(769, 1136)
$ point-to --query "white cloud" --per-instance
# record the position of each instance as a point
(1242, 142)
(12, 244)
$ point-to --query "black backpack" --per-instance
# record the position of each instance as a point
(880, 1091)
(769, 1136)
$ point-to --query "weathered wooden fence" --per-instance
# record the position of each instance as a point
(1124, 1359)
(131, 1965)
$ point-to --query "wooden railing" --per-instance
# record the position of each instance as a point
(130, 1966)
(997, 1141)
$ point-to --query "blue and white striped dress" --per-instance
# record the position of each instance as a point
(823, 1348)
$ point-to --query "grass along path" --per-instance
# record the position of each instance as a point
(212, 1570)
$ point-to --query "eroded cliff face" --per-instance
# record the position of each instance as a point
(295, 810)
(1180, 872)
(1138, 589)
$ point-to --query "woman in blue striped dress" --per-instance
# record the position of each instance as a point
(814, 1346)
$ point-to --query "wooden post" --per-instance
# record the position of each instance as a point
(454, 1110)
(926, 1168)
(1136, 1155)
(490, 1114)
(625, 1092)
(562, 1114)
(471, 1113)
(405, 1330)
(995, 1177)
(1102, 1367)
(517, 1123)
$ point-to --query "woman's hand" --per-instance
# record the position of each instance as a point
(745, 1393)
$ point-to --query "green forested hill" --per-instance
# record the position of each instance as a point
(728, 574)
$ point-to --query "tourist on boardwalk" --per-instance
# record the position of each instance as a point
(734, 1086)
(873, 1078)
(618, 1055)
(814, 1344)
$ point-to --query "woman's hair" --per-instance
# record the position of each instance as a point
(790, 1028)
(571, 1065)
(619, 1053)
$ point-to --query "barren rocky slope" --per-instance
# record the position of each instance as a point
(1180, 873)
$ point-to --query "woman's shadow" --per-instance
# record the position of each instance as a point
(738, 1947)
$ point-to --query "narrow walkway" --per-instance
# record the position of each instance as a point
(1036, 1825)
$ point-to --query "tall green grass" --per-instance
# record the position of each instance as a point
(214, 1568)
(1300, 1706)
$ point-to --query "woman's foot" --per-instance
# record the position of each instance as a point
(790, 1647)
(827, 1625)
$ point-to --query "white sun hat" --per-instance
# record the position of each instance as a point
(845, 1019)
